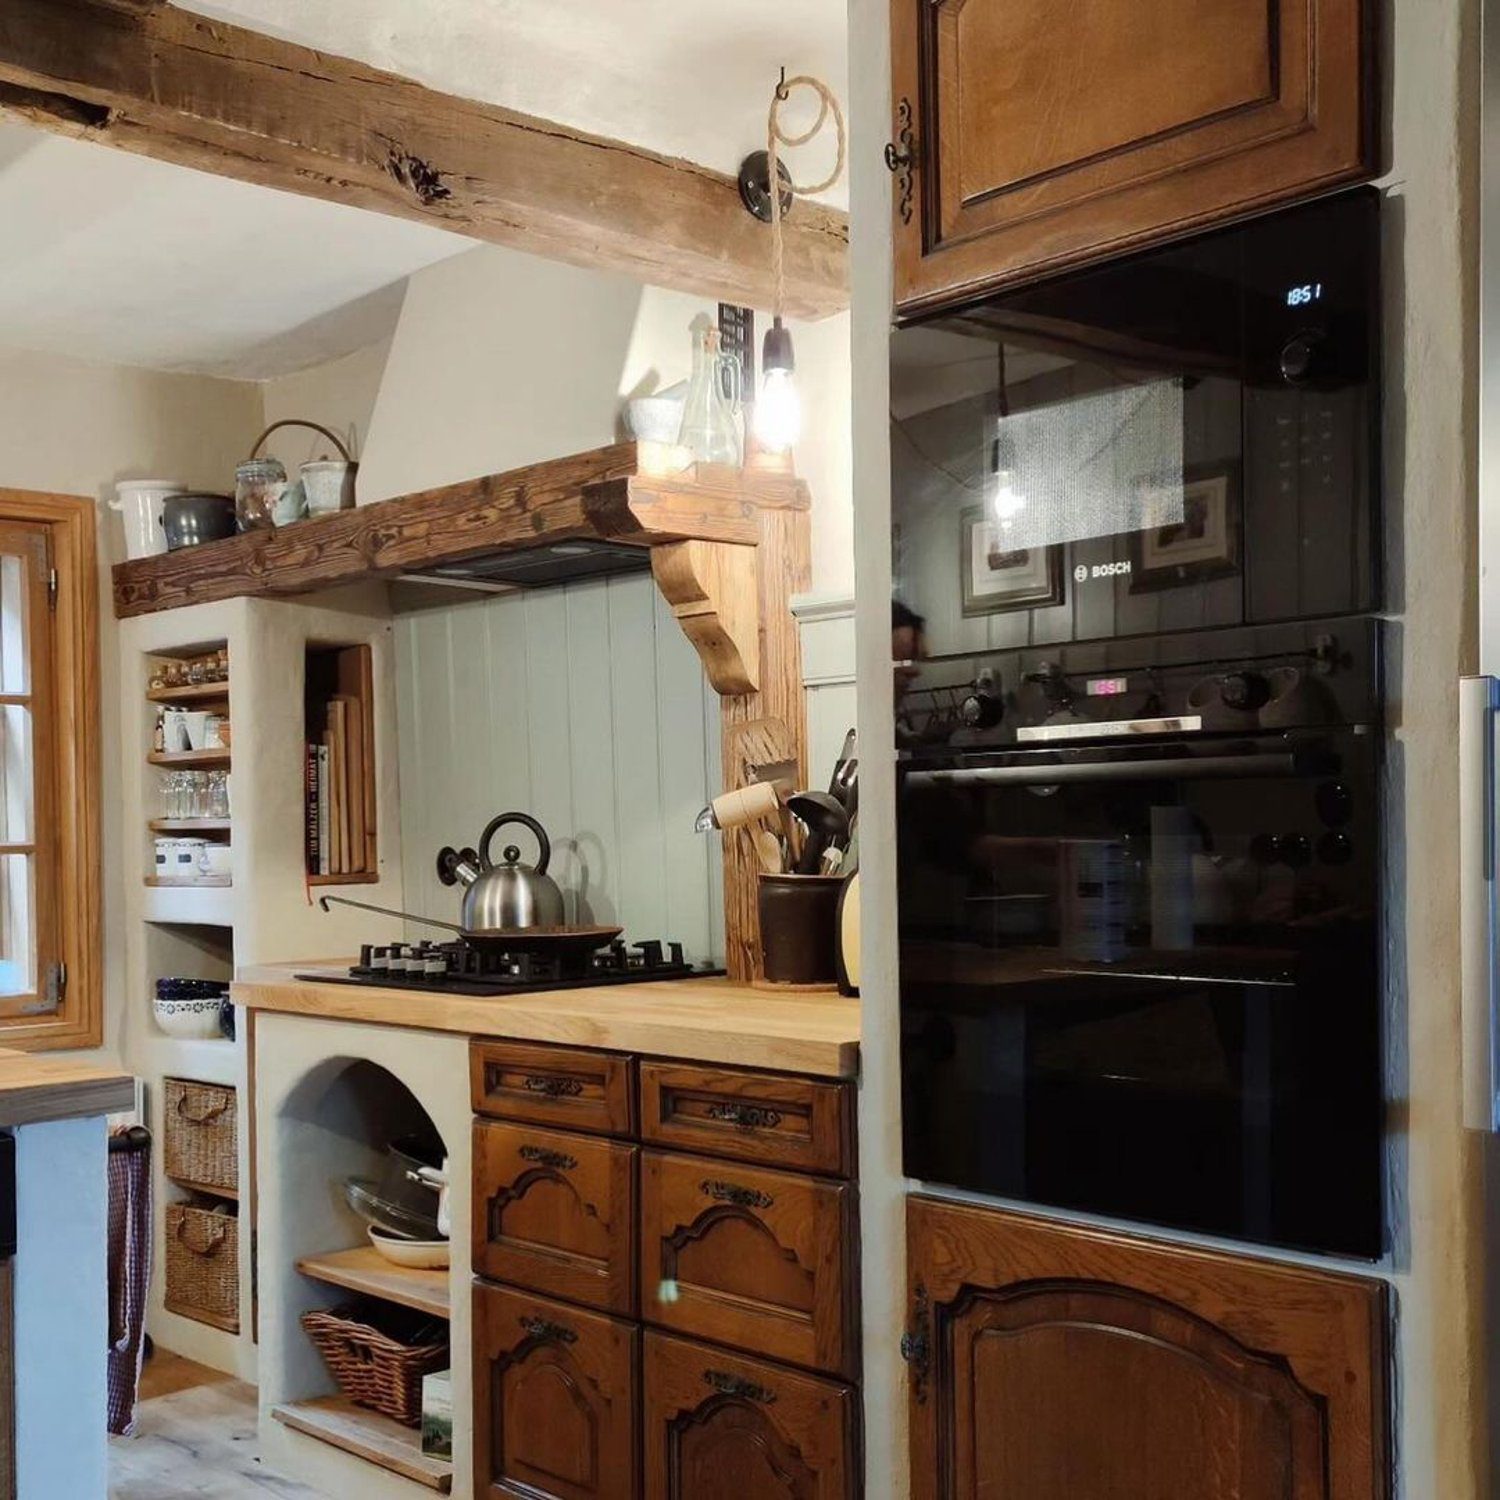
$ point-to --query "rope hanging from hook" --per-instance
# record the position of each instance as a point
(776, 138)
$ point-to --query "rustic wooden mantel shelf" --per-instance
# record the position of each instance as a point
(610, 494)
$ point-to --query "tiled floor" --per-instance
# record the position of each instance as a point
(195, 1439)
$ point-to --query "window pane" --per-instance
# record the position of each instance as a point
(17, 785)
(17, 926)
(14, 675)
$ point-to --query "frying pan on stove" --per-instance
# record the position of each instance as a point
(562, 943)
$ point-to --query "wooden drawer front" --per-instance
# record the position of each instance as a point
(760, 1117)
(556, 1409)
(553, 1086)
(556, 1213)
(722, 1427)
(749, 1257)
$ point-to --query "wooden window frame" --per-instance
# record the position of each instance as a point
(71, 523)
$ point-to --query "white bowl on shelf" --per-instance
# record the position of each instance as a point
(417, 1255)
(189, 1020)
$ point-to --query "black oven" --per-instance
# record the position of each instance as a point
(1139, 936)
(1182, 439)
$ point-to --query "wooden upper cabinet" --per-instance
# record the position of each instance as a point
(1052, 1361)
(1043, 136)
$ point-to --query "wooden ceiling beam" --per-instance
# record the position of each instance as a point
(165, 83)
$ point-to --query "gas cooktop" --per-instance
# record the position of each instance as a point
(461, 969)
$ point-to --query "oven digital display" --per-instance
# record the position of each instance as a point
(1107, 687)
(1304, 295)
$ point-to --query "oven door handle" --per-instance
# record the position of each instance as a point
(1478, 706)
(1194, 768)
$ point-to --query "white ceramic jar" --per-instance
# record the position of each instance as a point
(138, 503)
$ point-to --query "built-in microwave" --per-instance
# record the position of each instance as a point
(1182, 439)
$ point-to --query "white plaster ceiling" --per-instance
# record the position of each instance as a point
(684, 79)
(115, 258)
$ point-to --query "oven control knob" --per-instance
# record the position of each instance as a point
(1244, 691)
(1304, 356)
(981, 710)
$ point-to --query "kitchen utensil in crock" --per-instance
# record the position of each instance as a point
(508, 895)
(189, 520)
(827, 823)
(564, 943)
(138, 503)
(746, 804)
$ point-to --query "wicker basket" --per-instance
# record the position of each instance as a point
(203, 1265)
(382, 1366)
(199, 1143)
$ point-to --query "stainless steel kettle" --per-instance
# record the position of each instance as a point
(509, 895)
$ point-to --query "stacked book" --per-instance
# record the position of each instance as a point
(340, 834)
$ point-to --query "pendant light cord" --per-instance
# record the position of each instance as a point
(776, 138)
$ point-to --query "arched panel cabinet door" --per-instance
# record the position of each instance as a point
(1054, 1361)
(556, 1414)
(1030, 136)
(719, 1426)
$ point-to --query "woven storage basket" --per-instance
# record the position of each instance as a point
(379, 1366)
(203, 1265)
(199, 1144)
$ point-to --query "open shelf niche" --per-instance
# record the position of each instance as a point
(339, 768)
(344, 1113)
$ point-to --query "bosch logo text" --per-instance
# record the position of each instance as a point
(1082, 573)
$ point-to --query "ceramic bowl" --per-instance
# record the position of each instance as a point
(421, 1255)
(196, 1020)
(654, 419)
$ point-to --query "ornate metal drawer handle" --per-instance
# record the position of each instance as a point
(901, 158)
(916, 1344)
(732, 1192)
(736, 1385)
(547, 1157)
(552, 1086)
(746, 1116)
(545, 1328)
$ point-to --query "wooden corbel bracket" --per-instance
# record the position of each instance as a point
(712, 588)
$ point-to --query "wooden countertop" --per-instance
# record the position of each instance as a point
(43, 1086)
(707, 1020)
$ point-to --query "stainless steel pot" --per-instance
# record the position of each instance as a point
(510, 895)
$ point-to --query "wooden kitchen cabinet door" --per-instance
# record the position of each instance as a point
(722, 1427)
(1042, 136)
(760, 1260)
(556, 1408)
(555, 1213)
(1053, 1361)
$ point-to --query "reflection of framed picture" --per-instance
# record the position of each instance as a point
(1204, 544)
(996, 578)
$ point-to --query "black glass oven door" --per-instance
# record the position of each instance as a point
(1143, 982)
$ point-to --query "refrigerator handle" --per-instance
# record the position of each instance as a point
(1478, 703)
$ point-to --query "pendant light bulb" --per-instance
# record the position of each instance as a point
(778, 412)
(1006, 499)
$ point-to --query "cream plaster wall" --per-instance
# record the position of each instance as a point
(1437, 1264)
(502, 359)
(72, 427)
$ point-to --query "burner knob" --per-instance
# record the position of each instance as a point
(1244, 691)
(366, 955)
(380, 958)
(981, 710)
(1304, 356)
